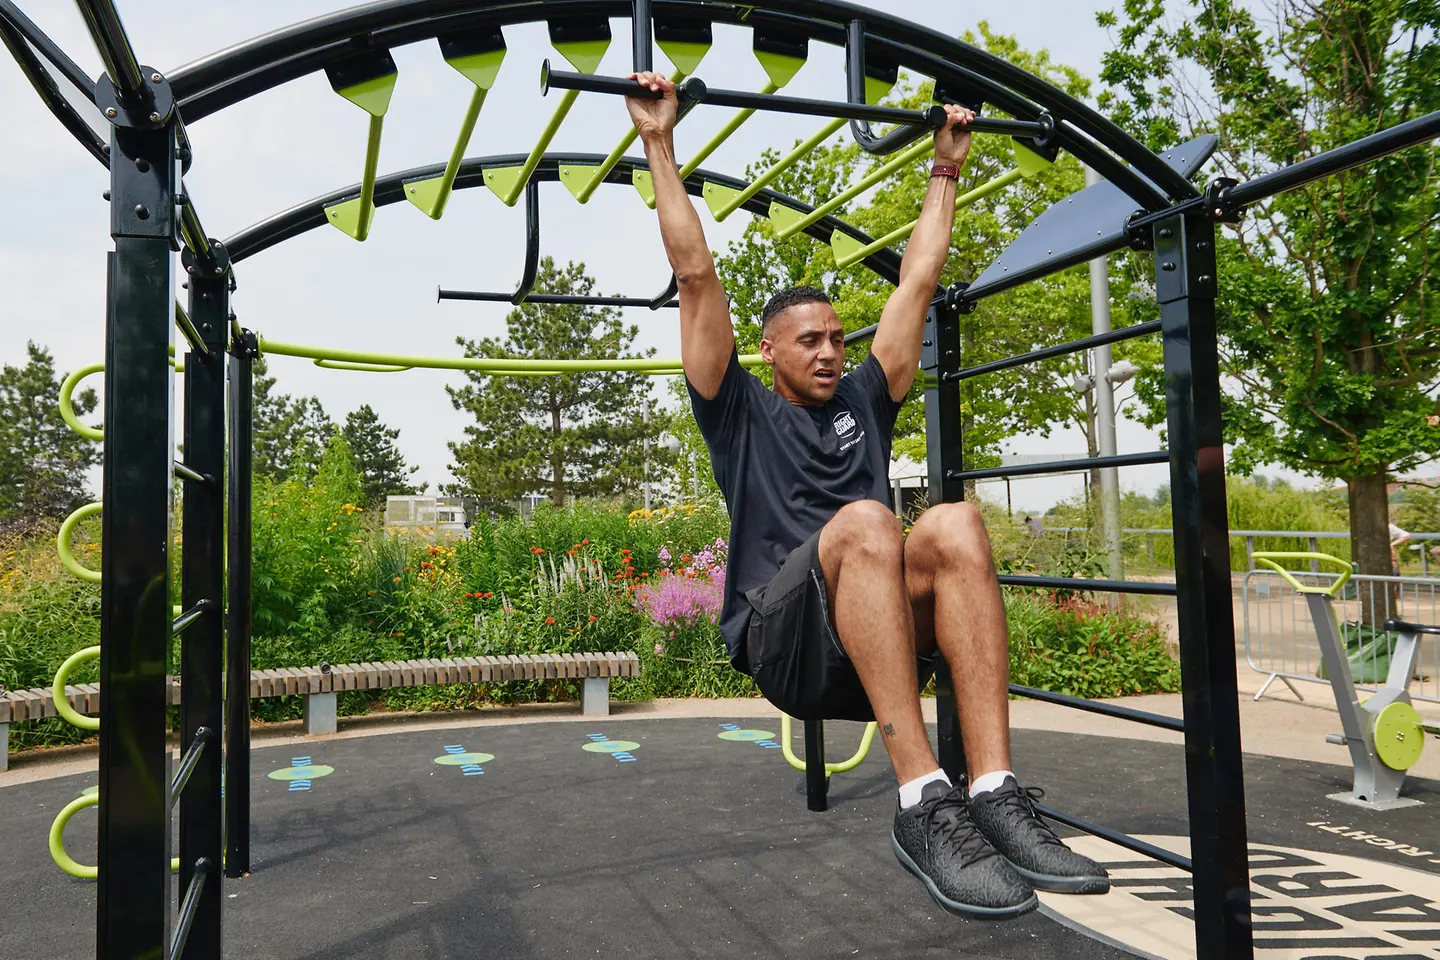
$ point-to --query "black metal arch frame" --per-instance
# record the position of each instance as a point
(1152, 204)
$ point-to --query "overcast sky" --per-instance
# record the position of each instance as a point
(300, 140)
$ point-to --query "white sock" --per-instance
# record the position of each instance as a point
(910, 790)
(989, 781)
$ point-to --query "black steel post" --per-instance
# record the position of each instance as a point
(1185, 288)
(817, 784)
(133, 899)
(940, 357)
(243, 351)
(202, 650)
(641, 29)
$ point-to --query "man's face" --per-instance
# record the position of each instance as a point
(806, 349)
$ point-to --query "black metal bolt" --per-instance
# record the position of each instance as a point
(111, 112)
(181, 199)
(156, 78)
(1166, 232)
(1167, 265)
(106, 194)
(142, 211)
(142, 164)
(927, 343)
(1203, 278)
(1219, 212)
(154, 118)
(1203, 244)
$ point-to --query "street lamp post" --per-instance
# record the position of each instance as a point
(1105, 410)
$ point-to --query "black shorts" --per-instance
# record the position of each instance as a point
(795, 656)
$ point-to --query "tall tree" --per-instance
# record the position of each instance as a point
(571, 435)
(377, 458)
(290, 433)
(1327, 304)
(1033, 399)
(42, 461)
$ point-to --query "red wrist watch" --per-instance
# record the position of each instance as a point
(945, 170)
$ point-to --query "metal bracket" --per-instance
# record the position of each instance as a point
(246, 346)
(216, 263)
(152, 113)
(954, 298)
(1218, 206)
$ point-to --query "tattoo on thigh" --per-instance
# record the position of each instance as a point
(889, 729)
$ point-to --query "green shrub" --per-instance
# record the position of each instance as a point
(1078, 647)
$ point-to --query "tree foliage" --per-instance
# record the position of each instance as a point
(994, 408)
(1326, 306)
(378, 459)
(571, 435)
(42, 461)
(290, 433)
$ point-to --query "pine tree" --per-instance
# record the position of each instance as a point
(571, 435)
(290, 433)
(377, 459)
(42, 461)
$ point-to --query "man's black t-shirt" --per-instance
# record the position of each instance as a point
(785, 469)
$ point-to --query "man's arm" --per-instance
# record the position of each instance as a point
(902, 322)
(707, 338)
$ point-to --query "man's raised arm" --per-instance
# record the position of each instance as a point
(902, 322)
(706, 337)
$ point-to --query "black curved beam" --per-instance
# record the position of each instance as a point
(532, 242)
(391, 189)
(860, 132)
(20, 35)
(667, 296)
(235, 73)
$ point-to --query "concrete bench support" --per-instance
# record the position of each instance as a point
(320, 714)
(4, 747)
(595, 698)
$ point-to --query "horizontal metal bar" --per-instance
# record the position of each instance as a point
(189, 762)
(189, 905)
(1158, 588)
(864, 333)
(1399, 137)
(491, 296)
(190, 616)
(1094, 706)
(197, 342)
(1059, 350)
(1063, 466)
(694, 90)
(1118, 838)
(185, 473)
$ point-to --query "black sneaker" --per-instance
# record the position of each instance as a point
(937, 842)
(1007, 818)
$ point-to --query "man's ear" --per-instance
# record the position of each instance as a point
(767, 352)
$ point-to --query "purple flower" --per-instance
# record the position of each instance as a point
(664, 556)
(681, 601)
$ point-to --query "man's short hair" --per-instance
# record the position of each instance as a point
(784, 300)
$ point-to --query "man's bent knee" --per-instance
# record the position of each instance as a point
(865, 525)
(951, 534)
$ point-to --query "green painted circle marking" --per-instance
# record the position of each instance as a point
(749, 735)
(301, 773)
(89, 791)
(611, 746)
(460, 759)
(1398, 736)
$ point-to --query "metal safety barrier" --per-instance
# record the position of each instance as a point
(1279, 638)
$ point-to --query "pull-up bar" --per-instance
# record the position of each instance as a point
(694, 89)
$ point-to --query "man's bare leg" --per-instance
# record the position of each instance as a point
(861, 552)
(956, 604)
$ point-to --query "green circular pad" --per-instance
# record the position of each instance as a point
(746, 735)
(1398, 736)
(301, 773)
(460, 759)
(610, 746)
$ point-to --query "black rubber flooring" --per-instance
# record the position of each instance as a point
(673, 843)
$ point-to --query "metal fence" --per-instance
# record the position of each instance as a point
(1280, 639)
(1420, 546)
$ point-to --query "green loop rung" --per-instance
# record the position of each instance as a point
(855, 760)
(1267, 558)
(67, 407)
(57, 689)
(62, 543)
(62, 859)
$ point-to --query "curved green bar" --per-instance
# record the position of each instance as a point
(597, 174)
(57, 689)
(855, 760)
(362, 367)
(62, 859)
(67, 408)
(789, 220)
(62, 543)
(482, 364)
(724, 134)
(1267, 558)
(733, 202)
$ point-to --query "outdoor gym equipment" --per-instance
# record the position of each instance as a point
(133, 119)
(1384, 733)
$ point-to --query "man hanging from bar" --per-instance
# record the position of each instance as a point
(828, 606)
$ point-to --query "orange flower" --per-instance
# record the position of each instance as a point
(550, 621)
(644, 574)
(625, 552)
(592, 618)
(684, 559)
(584, 543)
(571, 552)
(487, 596)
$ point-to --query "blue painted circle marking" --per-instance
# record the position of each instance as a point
(610, 746)
(301, 773)
(460, 759)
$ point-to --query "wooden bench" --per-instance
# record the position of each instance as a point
(320, 685)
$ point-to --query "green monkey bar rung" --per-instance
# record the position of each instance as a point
(509, 182)
(849, 251)
(370, 92)
(365, 360)
(790, 221)
(480, 66)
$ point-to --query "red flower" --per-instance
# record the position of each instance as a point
(584, 543)
(625, 553)
(592, 618)
(487, 596)
(550, 620)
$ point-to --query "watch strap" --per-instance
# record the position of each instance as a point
(945, 170)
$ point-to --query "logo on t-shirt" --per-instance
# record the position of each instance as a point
(844, 423)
